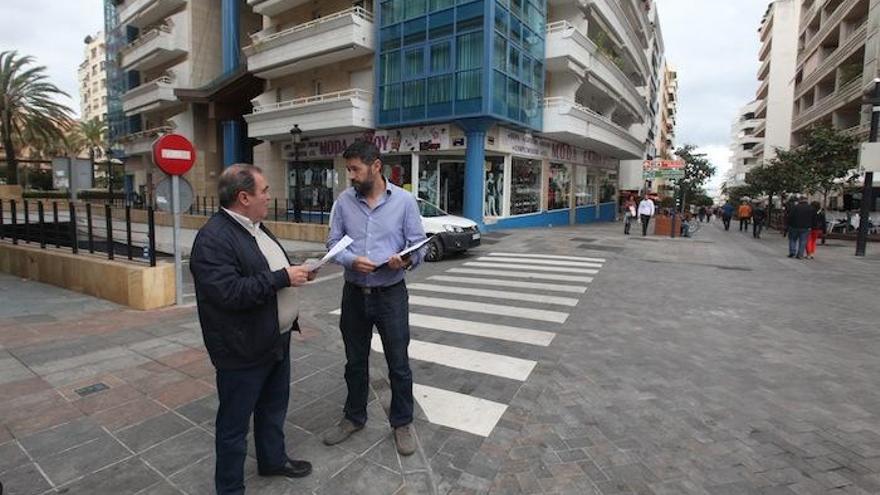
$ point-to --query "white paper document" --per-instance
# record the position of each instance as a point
(414, 247)
(332, 253)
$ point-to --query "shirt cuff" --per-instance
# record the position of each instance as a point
(345, 258)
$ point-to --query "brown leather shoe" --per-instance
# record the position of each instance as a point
(404, 439)
(339, 433)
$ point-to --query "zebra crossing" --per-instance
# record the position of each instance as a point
(508, 280)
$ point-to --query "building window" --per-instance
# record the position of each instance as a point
(494, 204)
(558, 186)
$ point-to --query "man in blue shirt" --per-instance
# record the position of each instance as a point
(382, 220)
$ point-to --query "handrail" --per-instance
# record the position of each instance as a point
(348, 94)
(557, 100)
(146, 133)
(566, 28)
(361, 12)
(151, 84)
(146, 37)
(829, 24)
(853, 41)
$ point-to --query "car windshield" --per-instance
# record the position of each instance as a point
(428, 210)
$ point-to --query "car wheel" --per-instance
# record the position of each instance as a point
(435, 251)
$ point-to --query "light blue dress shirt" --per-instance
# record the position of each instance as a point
(378, 233)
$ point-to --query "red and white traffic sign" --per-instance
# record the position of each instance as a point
(174, 154)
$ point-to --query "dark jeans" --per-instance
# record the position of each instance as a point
(743, 224)
(797, 241)
(262, 391)
(388, 310)
(627, 221)
(645, 220)
(757, 227)
(726, 221)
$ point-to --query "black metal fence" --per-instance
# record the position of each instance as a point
(82, 228)
(283, 210)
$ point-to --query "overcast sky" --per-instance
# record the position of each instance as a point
(712, 43)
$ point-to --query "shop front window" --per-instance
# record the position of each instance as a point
(316, 188)
(526, 187)
(494, 204)
(585, 187)
(428, 181)
(607, 189)
(558, 186)
(398, 170)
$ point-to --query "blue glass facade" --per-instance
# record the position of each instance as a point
(442, 60)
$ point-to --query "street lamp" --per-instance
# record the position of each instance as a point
(296, 139)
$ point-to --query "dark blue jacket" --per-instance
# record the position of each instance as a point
(236, 295)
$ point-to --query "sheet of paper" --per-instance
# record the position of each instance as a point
(335, 250)
(414, 247)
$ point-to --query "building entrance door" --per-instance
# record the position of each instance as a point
(451, 186)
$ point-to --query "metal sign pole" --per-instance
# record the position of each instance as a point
(175, 211)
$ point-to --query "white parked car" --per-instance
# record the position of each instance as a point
(451, 233)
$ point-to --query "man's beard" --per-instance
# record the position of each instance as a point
(363, 188)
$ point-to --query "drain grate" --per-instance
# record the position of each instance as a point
(91, 389)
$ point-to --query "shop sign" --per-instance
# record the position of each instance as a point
(408, 140)
(518, 143)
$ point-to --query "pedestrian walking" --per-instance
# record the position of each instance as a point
(726, 214)
(800, 221)
(701, 213)
(646, 211)
(817, 229)
(629, 214)
(744, 213)
(759, 217)
(382, 220)
(247, 308)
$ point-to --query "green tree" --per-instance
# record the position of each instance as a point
(830, 158)
(27, 107)
(697, 171)
(94, 134)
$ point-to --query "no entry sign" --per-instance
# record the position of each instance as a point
(174, 154)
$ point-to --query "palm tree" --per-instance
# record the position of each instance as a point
(93, 133)
(27, 107)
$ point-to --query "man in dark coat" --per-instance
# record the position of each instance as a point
(800, 221)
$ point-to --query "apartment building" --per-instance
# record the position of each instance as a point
(776, 78)
(837, 48)
(92, 77)
(665, 144)
(746, 146)
(510, 112)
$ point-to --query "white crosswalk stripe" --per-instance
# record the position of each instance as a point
(466, 359)
(495, 294)
(494, 282)
(575, 264)
(548, 257)
(521, 274)
(478, 329)
(555, 269)
(510, 277)
(489, 309)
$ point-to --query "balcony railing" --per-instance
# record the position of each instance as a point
(345, 95)
(144, 38)
(847, 93)
(259, 40)
(148, 93)
(830, 23)
(629, 144)
(852, 43)
(274, 7)
(142, 13)
(350, 110)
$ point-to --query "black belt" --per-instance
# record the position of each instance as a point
(374, 290)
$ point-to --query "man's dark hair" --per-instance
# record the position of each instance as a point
(235, 179)
(365, 151)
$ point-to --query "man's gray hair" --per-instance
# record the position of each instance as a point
(235, 179)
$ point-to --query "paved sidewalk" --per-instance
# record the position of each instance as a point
(710, 365)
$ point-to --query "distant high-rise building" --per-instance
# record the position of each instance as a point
(745, 145)
(92, 78)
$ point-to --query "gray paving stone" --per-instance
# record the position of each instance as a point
(200, 411)
(83, 459)
(362, 476)
(152, 431)
(161, 488)
(62, 437)
(24, 480)
(178, 452)
(11, 456)
(127, 477)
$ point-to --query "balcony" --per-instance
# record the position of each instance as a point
(760, 129)
(852, 44)
(611, 15)
(335, 38)
(860, 131)
(568, 49)
(274, 7)
(152, 95)
(151, 49)
(141, 143)
(761, 110)
(764, 70)
(848, 93)
(830, 23)
(142, 13)
(569, 122)
(763, 89)
(344, 111)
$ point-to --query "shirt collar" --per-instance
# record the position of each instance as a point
(245, 222)
(388, 189)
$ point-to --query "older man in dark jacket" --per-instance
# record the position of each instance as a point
(800, 220)
(247, 307)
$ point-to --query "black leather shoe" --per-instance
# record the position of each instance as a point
(293, 469)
